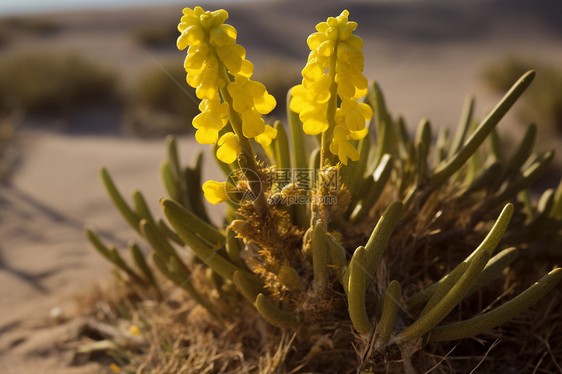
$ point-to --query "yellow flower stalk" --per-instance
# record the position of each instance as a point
(217, 68)
(334, 69)
(212, 53)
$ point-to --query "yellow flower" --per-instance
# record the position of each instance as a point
(115, 368)
(213, 117)
(229, 148)
(267, 136)
(134, 330)
(212, 52)
(234, 58)
(335, 62)
(341, 147)
(353, 114)
(250, 99)
(217, 192)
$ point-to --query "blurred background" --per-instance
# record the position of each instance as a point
(91, 83)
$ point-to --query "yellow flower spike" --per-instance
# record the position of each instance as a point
(334, 68)
(229, 148)
(212, 53)
(217, 192)
(213, 58)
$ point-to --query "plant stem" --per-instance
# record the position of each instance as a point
(325, 154)
(247, 162)
(326, 157)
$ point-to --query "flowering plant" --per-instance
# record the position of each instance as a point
(320, 244)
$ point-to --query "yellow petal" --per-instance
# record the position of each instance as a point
(216, 192)
(206, 135)
(134, 330)
(314, 40)
(252, 124)
(229, 148)
(265, 104)
(314, 126)
(229, 30)
(327, 48)
(267, 136)
(357, 135)
(219, 16)
(218, 37)
(247, 69)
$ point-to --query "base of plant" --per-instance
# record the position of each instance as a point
(178, 336)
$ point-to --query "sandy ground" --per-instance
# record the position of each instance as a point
(427, 56)
(45, 260)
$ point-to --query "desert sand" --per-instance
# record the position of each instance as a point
(427, 55)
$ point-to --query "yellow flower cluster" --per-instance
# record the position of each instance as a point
(212, 56)
(334, 67)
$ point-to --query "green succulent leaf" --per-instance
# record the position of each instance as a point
(320, 254)
(277, 317)
(391, 302)
(356, 291)
(499, 315)
(434, 316)
(443, 172)
(130, 216)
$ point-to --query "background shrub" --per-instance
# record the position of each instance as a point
(543, 101)
(162, 103)
(53, 83)
(8, 127)
(154, 36)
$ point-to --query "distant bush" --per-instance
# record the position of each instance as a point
(543, 101)
(154, 36)
(4, 36)
(53, 83)
(34, 25)
(7, 137)
(162, 102)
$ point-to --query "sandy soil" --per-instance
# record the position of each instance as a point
(45, 260)
(427, 56)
